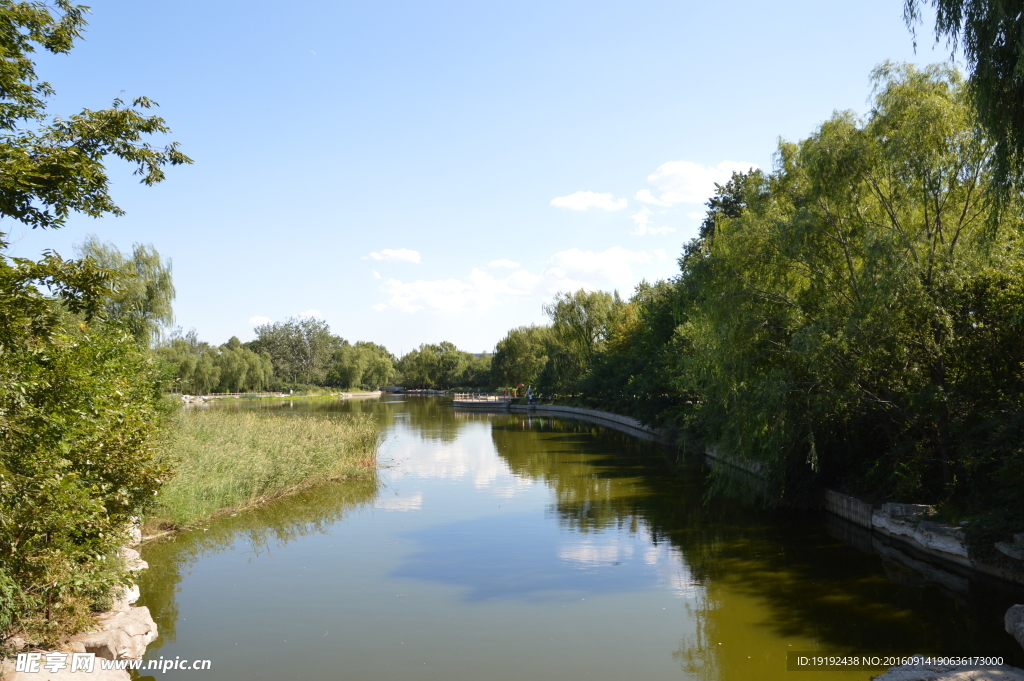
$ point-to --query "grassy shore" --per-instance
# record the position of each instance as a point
(226, 460)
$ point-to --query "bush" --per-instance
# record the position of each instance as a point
(78, 409)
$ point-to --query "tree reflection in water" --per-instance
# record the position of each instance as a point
(760, 572)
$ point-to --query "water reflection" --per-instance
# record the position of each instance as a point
(258, 531)
(520, 556)
(765, 577)
(491, 528)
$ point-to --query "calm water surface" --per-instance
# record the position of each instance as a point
(507, 547)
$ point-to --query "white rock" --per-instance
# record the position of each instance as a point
(1011, 550)
(899, 519)
(122, 635)
(133, 559)
(134, 534)
(1014, 623)
(128, 595)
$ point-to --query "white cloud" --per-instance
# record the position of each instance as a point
(394, 255)
(585, 200)
(259, 320)
(310, 313)
(696, 215)
(566, 271)
(376, 274)
(645, 196)
(688, 182)
(643, 224)
(660, 254)
(481, 292)
(611, 266)
(399, 503)
(504, 263)
(589, 553)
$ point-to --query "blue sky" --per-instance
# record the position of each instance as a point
(415, 172)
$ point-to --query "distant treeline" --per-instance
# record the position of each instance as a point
(302, 353)
(854, 318)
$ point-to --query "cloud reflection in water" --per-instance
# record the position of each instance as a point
(520, 556)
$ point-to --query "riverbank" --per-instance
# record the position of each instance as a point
(904, 523)
(934, 551)
(121, 633)
(621, 423)
(226, 461)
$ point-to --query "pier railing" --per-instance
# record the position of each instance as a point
(478, 397)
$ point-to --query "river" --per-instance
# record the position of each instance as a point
(500, 546)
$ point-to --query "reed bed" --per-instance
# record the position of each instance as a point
(230, 460)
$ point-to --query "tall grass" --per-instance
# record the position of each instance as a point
(225, 460)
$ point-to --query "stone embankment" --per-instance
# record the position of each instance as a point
(122, 633)
(909, 524)
(604, 418)
(906, 523)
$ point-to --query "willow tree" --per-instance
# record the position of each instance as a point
(434, 366)
(991, 35)
(365, 365)
(142, 290)
(580, 324)
(859, 321)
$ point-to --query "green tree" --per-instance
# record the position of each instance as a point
(196, 367)
(580, 325)
(78, 410)
(991, 34)
(78, 404)
(300, 348)
(477, 373)
(633, 373)
(856, 320)
(434, 366)
(520, 356)
(143, 292)
(54, 169)
(366, 366)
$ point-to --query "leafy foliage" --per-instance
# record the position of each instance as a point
(633, 374)
(366, 366)
(78, 395)
(991, 34)
(143, 291)
(851, 319)
(78, 408)
(196, 367)
(300, 348)
(443, 366)
(580, 324)
(58, 168)
(521, 356)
